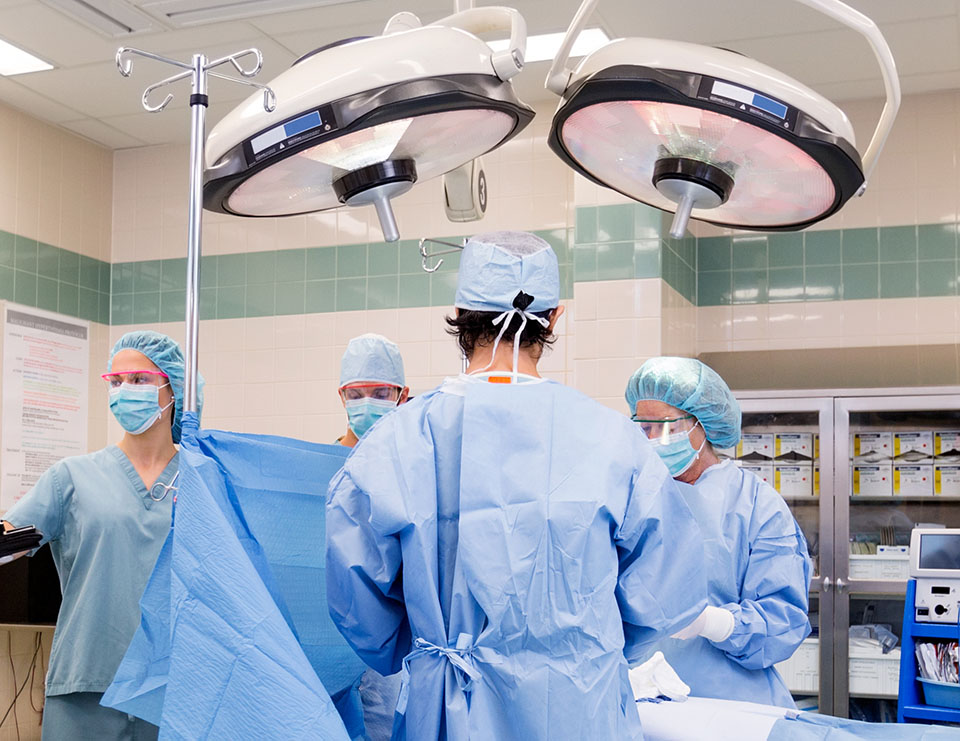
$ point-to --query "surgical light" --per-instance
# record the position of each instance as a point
(359, 122)
(712, 134)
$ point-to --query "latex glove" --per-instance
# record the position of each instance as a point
(655, 677)
(714, 623)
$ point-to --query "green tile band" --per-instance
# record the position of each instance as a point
(615, 242)
(46, 277)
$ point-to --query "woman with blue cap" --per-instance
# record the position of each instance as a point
(505, 541)
(757, 566)
(106, 515)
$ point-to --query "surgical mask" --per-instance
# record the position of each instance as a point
(362, 413)
(137, 406)
(676, 451)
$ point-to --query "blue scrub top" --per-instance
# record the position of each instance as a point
(105, 532)
(758, 569)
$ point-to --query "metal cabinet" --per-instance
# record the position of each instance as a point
(880, 461)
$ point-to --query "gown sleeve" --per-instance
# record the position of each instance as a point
(42, 506)
(661, 586)
(364, 579)
(770, 621)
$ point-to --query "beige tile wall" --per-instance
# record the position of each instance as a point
(54, 186)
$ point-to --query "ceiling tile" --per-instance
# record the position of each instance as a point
(19, 96)
(54, 36)
(102, 134)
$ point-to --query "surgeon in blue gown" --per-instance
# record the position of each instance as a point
(372, 384)
(505, 541)
(106, 515)
(757, 565)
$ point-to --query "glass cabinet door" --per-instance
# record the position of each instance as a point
(781, 443)
(897, 459)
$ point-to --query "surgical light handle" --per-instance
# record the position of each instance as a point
(506, 63)
(198, 71)
(560, 73)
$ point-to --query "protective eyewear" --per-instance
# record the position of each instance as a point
(379, 391)
(135, 378)
(661, 428)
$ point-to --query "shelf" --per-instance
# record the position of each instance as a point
(804, 499)
(880, 498)
(874, 696)
(931, 712)
(935, 630)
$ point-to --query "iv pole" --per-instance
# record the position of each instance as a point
(198, 71)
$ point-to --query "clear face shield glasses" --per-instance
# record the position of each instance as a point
(664, 430)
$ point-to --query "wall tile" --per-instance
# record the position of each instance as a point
(25, 288)
(89, 307)
(615, 223)
(261, 269)
(898, 280)
(714, 253)
(822, 247)
(785, 284)
(351, 293)
(68, 301)
(48, 294)
(937, 241)
(382, 292)
(714, 288)
(937, 278)
(898, 244)
(785, 250)
(750, 252)
(860, 246)
(615, 260)
(822, 283)
(6, 283)
(861, 282)
(48, 261)
(351, 260)
(749, 286)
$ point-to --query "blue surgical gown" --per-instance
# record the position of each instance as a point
(758, 569)
(105, 532)
(511, 547)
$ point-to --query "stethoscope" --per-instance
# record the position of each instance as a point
(163, 488)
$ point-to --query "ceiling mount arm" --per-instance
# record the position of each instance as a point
(559, 74)
(506, 63)
(858, 22)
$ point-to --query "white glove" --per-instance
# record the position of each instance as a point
(714, 623)
(655, 677)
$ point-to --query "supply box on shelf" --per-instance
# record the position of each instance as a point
(946, 479)
(801, 672)
(871, 672)
(915, 480)
(800, 443)
(889, 562)
(916, 442)
(872, 479)
(879, 443)
(757, 444)
(763, 470)
(793, 479)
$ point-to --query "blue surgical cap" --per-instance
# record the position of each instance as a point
(695, 388)
(372, 358)
(164, 353)
(496, 267)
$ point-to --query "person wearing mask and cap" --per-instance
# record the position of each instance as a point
(106, 515)
(507, 542)
(372, 383)
(757, 566)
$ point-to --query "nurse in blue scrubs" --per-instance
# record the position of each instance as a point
(106, 515)
(757, 566)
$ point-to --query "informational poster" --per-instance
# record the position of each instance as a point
(46, 365)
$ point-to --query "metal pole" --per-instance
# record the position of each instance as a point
(198, 111)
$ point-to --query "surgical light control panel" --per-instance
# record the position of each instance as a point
(935, 564)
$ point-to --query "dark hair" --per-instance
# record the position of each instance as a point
(472, 328)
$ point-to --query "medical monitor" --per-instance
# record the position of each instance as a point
(935, 553)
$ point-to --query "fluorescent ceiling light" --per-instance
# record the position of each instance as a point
(16, 61)
(543, 47)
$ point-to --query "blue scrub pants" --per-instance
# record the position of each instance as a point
(80, 717)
